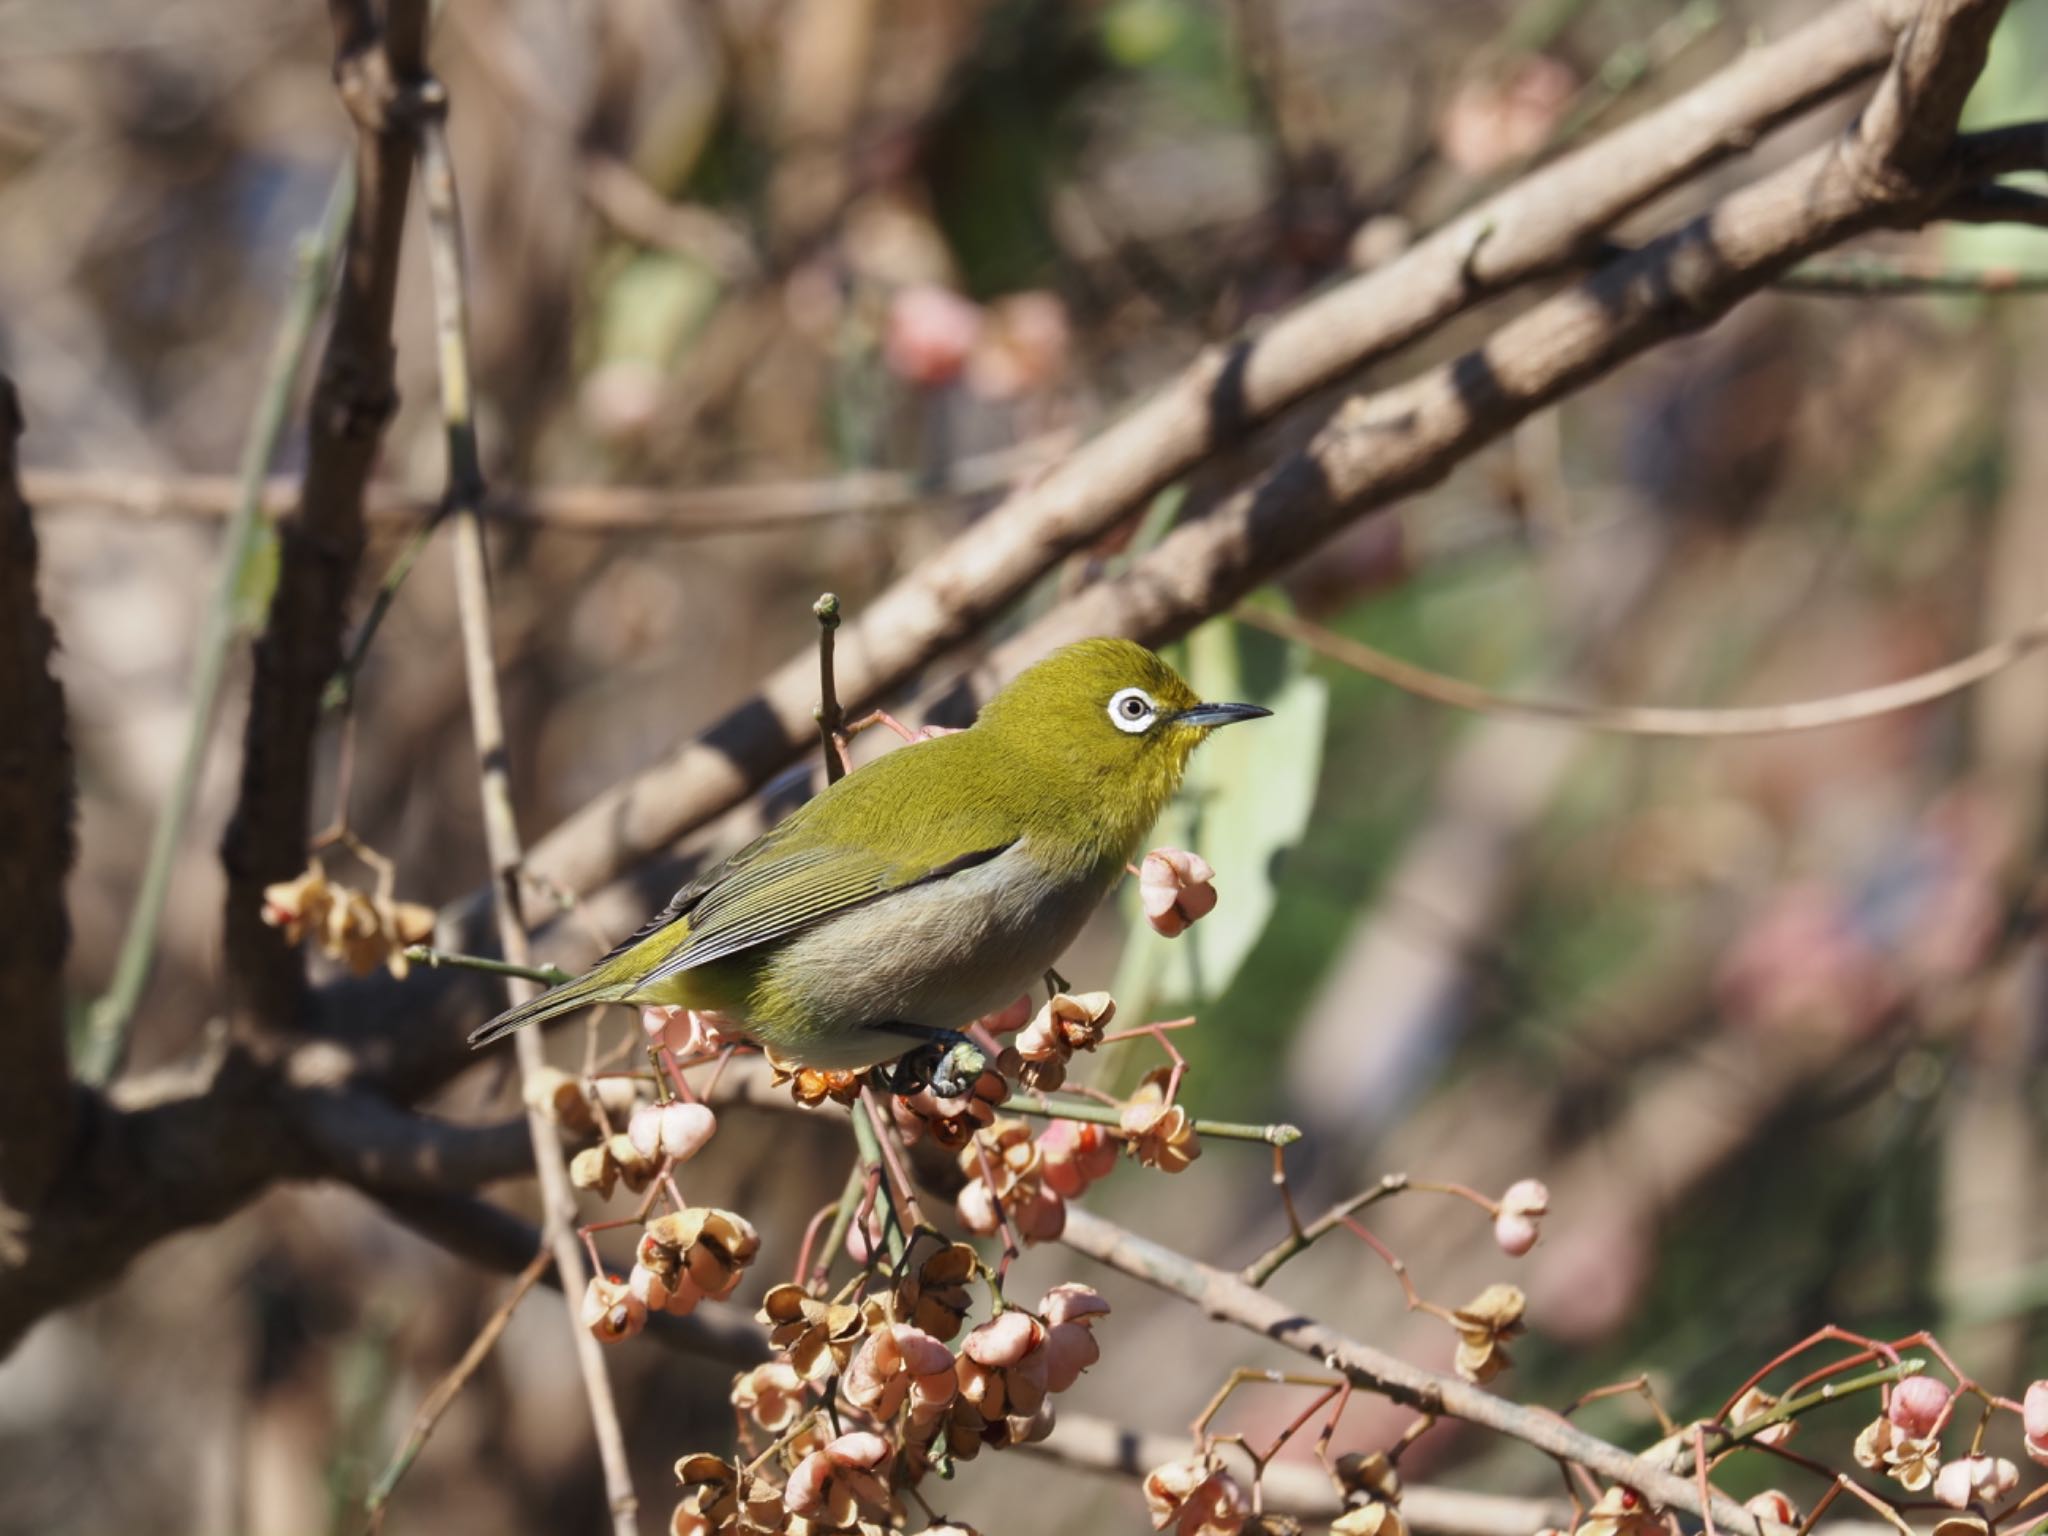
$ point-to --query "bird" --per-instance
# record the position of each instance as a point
(927, 888)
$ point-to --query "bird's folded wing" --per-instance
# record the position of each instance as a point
(775, 894)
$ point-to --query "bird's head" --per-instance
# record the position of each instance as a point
(1110, 723)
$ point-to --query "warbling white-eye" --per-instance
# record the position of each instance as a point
(930, 887)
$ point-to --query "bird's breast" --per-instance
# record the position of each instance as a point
(940, 954)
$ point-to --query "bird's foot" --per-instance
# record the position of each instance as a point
(948, 1063)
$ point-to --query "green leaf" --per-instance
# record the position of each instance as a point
(652, 308)
(1247, 800)
(1136, 33)
(256, 576)
(2004, 92)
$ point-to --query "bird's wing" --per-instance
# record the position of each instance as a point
(793, 877)
(774, 898)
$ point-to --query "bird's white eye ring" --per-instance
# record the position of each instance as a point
(1132, 711)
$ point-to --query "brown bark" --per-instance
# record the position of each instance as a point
(37, 808)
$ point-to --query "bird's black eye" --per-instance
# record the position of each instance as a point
(1132, 711)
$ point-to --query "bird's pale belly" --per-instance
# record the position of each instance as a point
(938, 955)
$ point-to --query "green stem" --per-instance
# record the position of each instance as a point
(1863, 275)
(341, 688)
(842, 1220)
(246, 539)
(871, 1160)
(433, 959)
(1826, 1392)
(1091, 1113)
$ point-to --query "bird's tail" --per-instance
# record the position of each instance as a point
(593, 988)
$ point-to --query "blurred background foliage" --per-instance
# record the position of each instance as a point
(1766, 1014)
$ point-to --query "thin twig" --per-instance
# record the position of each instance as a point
(1092, 1444)
(1230, 1299)
(1267, 1264)
(662, 512)
(1865, 276)
(433, 959)
(831, 718)
(1638, 720)
(340, 691)
(444, 1393)
(494, 782)
(842, 1223)
(106, 1031)
(867, 1137)
(1050, 1107)
(1527, 231)
(903, 1192)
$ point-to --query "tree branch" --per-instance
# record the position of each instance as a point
(1228, 1299)
(1379, 448)
(38, 804)
(1526, 231)
(321, 546)
(179, 1151)
(2001, 151)
(1099, 1445)
(494, 779)
(674, 512)
(373, 1144)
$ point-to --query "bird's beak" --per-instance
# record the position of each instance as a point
(1219, 714)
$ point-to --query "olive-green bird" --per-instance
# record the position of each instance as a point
(930, 887)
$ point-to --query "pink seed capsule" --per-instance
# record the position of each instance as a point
(643, 1130)
(685, 1128)
(1917, 1405)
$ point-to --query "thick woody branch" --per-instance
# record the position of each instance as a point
(322, 544)
(2003, 150)
(371, 1143)
(1906, 134)
(1381, 447)
(1228, 1299)
(1532, 228)
(167, 1152)
(37, 804)
(187, 1152)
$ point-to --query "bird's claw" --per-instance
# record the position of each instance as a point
(949, 1065)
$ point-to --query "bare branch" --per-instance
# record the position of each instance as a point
(1531, 228)
(1643, 720)
(37, 806)
(2003, 150)
(321, 546)
(676, 512)
(494, 779)
(106, 1035)
(1905, 135)
(185, 1151)
(1379, 448)
(1098, 1445)
(1996, 203)
(429, 1412)
(1228, 1299)
(376, 1146)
